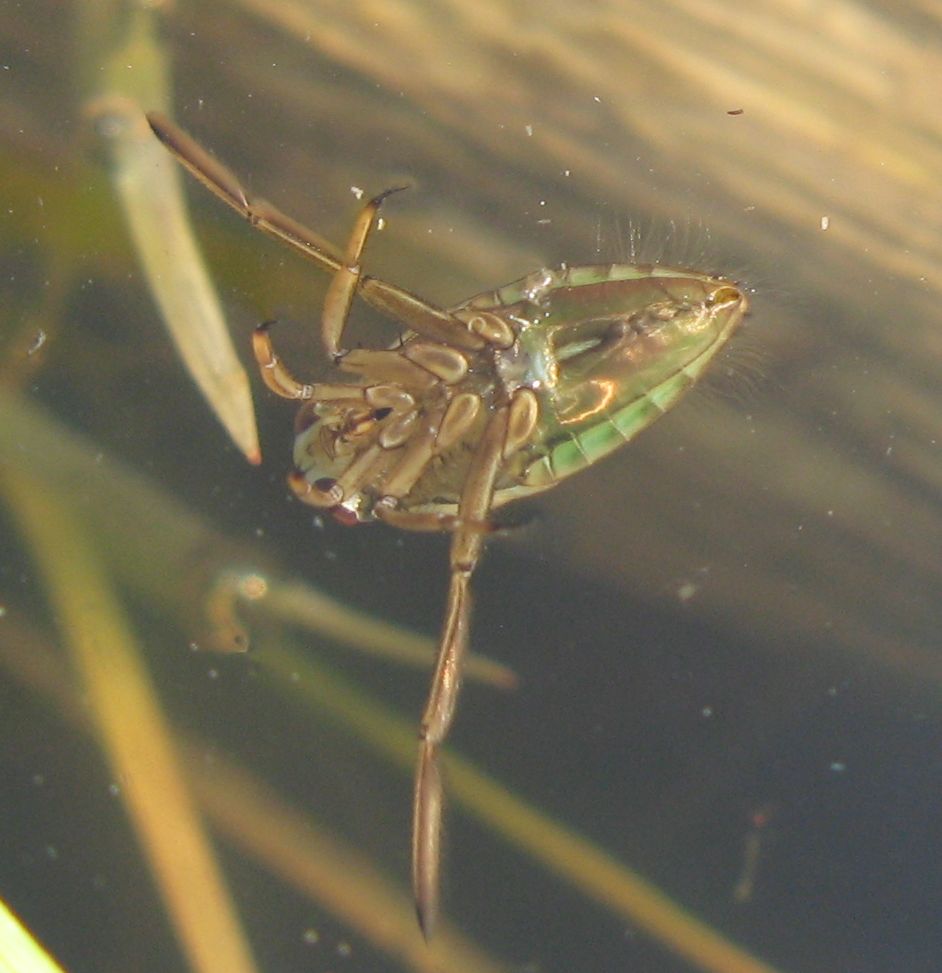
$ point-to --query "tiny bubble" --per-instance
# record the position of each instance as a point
(311, 936)
(686, 591)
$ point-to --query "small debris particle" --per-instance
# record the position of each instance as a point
(686, 591)
(825, 222)
(38, 341)
(736, 111)
(528, 129)
(251, 586)
(357, 192)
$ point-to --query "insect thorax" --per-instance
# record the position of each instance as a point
(606, 351)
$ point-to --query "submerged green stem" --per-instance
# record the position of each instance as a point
(131, 728)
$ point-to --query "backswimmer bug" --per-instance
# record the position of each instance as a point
(497, 398)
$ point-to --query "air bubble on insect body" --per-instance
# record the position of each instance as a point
(538, 286)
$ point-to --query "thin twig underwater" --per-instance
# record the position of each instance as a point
(497, 398)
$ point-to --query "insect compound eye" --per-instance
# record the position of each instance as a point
(328, 491)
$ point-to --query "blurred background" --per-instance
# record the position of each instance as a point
(726, 638)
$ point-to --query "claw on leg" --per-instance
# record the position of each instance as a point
(346, 280)
(426, 844)
(436, 720)
(274, 373)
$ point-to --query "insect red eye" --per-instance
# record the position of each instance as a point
(345, 517)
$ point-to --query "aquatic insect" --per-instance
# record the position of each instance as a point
(497, 398)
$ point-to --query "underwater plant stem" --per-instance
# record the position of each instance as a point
(132, 729)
